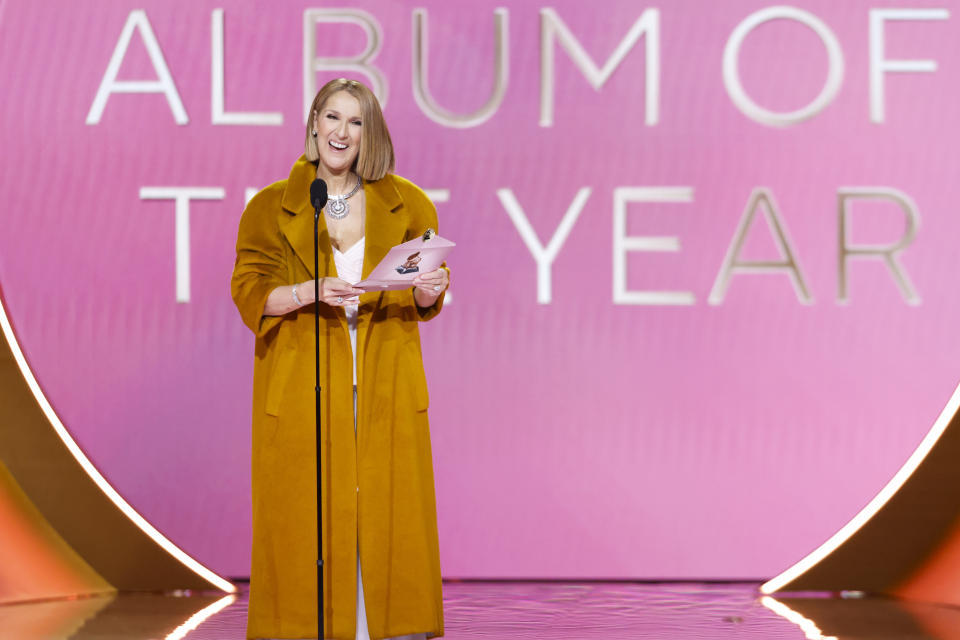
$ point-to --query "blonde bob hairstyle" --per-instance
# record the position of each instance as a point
(375, 158)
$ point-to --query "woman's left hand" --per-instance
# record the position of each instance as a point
(429, 286)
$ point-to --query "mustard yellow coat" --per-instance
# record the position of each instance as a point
(378, 491)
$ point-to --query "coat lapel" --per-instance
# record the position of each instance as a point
(385, 226)
(296, 224)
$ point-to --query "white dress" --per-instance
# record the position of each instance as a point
(350, 269)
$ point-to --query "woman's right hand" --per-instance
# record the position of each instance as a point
(333, 291)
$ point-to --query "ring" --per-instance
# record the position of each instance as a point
(436, 287)
(339, 298)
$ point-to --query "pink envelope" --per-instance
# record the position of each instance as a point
(406, 261)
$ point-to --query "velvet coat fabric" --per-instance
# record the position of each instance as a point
(378, 488)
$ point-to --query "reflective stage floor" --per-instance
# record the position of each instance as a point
(520, 610)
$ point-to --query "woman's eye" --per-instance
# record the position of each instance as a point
(358, 123)
(330, 116)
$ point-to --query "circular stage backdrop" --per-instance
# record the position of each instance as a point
(704, 299)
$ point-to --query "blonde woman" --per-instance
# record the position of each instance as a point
(380, 549)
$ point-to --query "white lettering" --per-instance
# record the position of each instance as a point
(218, 113)
(544, 257)
(163, 84)
(788, 261)
(887, 253)
(552, 27)
(622, 243)
(421, 89)
(182, 197)
(359, 63)
(879, 65)
(731, 71)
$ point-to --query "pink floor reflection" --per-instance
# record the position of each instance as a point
(520, 610)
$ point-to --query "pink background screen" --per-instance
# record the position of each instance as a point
(602, 433)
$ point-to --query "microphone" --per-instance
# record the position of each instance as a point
(318, 195)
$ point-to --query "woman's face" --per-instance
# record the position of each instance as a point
(339, 128)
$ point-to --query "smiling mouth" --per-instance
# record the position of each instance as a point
(337, 145)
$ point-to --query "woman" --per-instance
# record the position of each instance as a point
(379, 514)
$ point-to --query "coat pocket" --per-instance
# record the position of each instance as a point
(278, 380)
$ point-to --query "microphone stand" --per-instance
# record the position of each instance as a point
(316, 343)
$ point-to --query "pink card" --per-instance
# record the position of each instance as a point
(406, 261)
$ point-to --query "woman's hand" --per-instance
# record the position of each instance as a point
(333, 291)
(429, 286)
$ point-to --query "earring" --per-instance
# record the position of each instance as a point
(314, 133)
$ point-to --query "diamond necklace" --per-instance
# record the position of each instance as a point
(337, 208)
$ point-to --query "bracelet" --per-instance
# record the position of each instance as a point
(296, 298)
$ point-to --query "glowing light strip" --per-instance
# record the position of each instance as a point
(898, 480)
(808, 626)
(92, 471)
(200, 617)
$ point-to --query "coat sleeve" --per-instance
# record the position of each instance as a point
(424, 216)
(260, 266)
